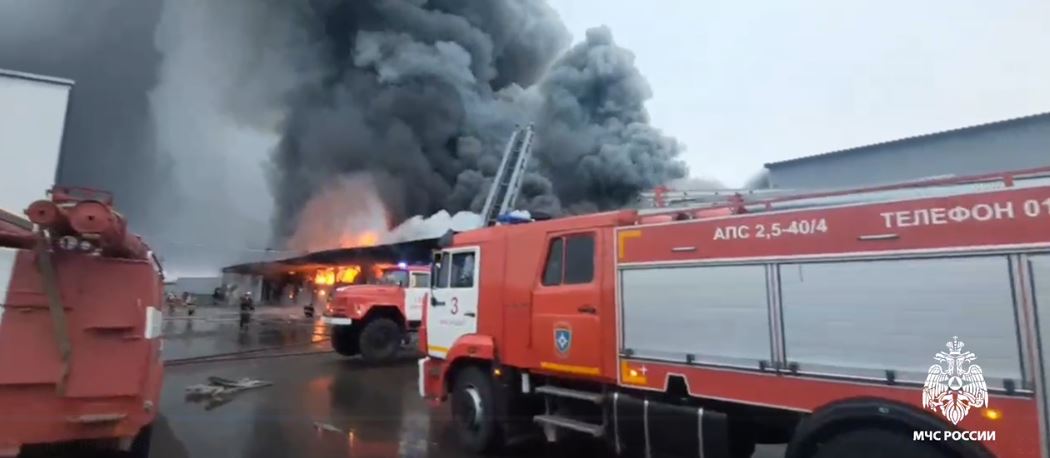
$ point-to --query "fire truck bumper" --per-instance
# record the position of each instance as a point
(63, 420)
(336, 321)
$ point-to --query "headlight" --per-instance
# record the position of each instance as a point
(68, 242)
(85, 246)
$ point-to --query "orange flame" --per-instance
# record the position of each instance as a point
(368, 239)
(324, 277)
(362, 240)
(346, 212)
(332, 275)
(348, 274)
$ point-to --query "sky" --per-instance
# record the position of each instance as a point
(743, 83)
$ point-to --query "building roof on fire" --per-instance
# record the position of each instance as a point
(413, 252)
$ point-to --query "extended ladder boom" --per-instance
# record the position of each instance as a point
(507, 185)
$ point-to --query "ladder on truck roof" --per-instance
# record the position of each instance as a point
(663, 198)
(507, 185)
(749, 202)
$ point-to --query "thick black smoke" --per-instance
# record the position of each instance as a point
(166, 113)
(424, 94)
(105, 46)
(211, 118)
(596, 144)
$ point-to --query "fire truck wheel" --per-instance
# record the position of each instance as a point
(380, 340)
(875, 443)
(139, 446)
(344, 340)
(472, 406)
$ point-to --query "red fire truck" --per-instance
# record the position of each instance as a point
(373, 319)
(897, 321)
(80, 296)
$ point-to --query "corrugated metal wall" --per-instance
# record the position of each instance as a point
(1018, 144)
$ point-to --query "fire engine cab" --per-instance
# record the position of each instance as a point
(373, 319)
(896, 321)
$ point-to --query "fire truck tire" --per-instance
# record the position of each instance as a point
(380, 340)
(741, 447)
(140, 445)
(473, 402)
(344, 340)
(875, 443)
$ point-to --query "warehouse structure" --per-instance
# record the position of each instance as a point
(274, 281)
(1013, 144)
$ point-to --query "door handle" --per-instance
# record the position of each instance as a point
(436, 303)
(587, 309)
(470, 314)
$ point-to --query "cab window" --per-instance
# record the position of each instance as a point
(439, 270)
(552, 271)
(570, 260)
(394, 277)
(463, 270)
(420, 280)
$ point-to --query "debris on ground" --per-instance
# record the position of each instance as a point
(220, 390)
(319, 426)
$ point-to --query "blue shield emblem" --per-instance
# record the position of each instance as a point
(562, 339)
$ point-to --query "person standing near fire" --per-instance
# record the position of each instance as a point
(247, 307)
(191, 304)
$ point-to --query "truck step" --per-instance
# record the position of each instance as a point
(570, 393)
(568, 423)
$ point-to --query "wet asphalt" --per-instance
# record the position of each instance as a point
(319, 405)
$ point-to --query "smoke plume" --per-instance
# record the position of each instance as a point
(105, 47)
(423, 95)
(225, 127)
(759, 180)
(163, 116)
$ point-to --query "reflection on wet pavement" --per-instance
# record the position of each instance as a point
(373, 410)
(214, 331)
(376, 409)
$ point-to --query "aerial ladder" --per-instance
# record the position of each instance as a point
(507, 184)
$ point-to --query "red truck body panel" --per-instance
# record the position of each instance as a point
(114, 370)
(344, 299)
(352, 302)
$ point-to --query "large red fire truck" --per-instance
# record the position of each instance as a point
(80, 296)
(373, 319)
(897, 321)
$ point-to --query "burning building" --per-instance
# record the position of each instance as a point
(308, 279)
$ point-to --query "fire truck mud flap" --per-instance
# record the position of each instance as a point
(652, 428)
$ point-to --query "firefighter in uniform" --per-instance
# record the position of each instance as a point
(247, 307)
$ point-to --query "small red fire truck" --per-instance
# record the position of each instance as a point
(80, 295)
(373, 319)
(897, 321)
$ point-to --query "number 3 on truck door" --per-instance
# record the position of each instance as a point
(454, 303)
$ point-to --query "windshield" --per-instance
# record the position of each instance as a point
(393, 277)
